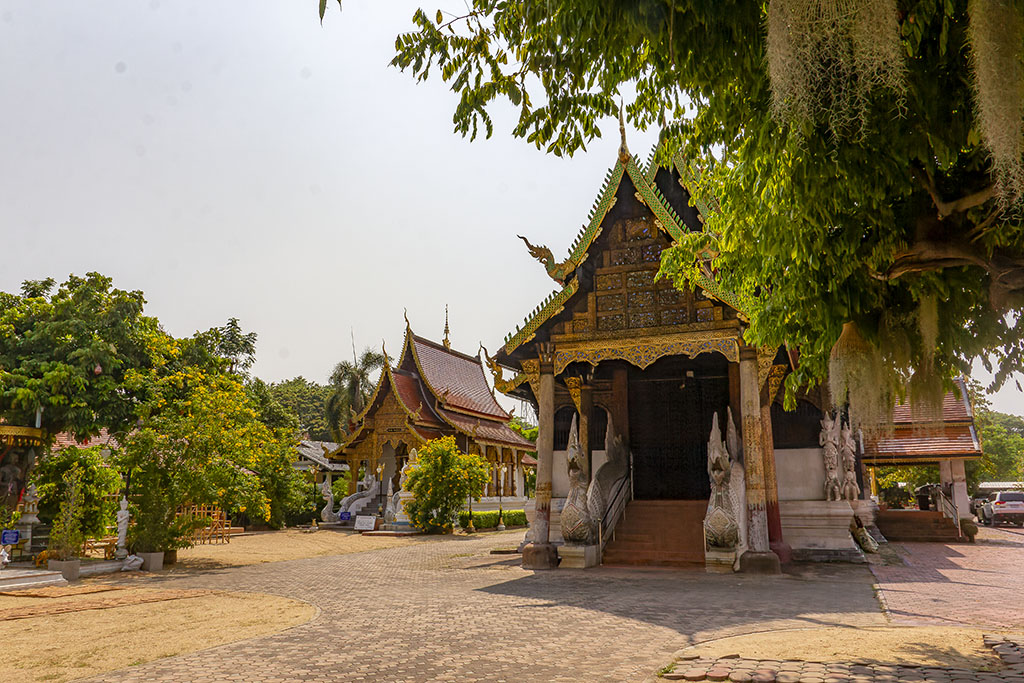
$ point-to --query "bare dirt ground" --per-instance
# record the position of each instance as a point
(919, 646)
(287, 544)
(111, 629)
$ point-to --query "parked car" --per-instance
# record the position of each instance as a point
(1005, 506)
(977, 502)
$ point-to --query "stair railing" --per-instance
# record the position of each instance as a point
(949, 509)
(616, 508)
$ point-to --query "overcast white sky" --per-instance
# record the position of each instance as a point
(240, 160)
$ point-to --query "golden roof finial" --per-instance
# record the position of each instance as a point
(623, 149)
(447, 343)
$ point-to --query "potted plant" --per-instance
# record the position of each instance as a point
(66, 537)
(158, 530)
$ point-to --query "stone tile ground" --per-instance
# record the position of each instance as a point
(450, 611)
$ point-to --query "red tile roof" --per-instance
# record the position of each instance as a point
(488, 430)
(65, 439)
(955, 408)
(410, 392)
(919, 435)
(923, 444)
(457, 379)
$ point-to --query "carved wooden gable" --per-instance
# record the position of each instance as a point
(623, 298)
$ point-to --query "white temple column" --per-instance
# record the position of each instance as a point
(540, 553)
(758, 558)
(960, 497)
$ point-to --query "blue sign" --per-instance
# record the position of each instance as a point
(344, 516)
(10, 537)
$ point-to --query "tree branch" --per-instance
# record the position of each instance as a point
(948, 208)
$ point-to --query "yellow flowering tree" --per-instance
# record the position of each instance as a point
(440, 479)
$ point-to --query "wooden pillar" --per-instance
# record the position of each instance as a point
(540, 553)
(769, 391)
(353, 471)
(759, 558)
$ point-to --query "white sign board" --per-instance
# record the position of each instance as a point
(365, 522)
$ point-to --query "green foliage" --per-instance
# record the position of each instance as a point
(1002, 440)
(69, 351)
(8, 518)
(99, 482)
(154, 507)
(489, 520)
(307, 401)
(814, 224)
(351, 388)
(441, 479)
(524, 429)
(66, 537)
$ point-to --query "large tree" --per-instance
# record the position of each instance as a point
(858, 164)
(351, 387)
(308, 402)
(66, 352)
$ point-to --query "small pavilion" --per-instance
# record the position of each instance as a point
(945, 436)
(435, 391)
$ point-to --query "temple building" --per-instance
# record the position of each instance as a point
(431, 392)
(636, 382)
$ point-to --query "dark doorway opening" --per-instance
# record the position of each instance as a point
(671, 405)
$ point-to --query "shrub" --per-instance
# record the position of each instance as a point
(66, 537)
(441, 478)
(489, 519)
(99, 484)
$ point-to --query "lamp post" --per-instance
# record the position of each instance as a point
(380, 488)
(469, 527)
(501, 487)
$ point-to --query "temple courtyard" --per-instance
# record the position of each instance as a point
(448, 609)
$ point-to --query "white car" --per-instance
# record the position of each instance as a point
(1005, 506)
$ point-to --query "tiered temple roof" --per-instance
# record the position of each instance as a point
(923, 437)
(434, 391)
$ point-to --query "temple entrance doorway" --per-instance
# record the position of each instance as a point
(671, 405)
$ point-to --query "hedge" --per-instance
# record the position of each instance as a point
(489, 520)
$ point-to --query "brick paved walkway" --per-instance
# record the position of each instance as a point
(978, 585)
(449, 611)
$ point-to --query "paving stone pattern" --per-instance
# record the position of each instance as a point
(449, 611)
(788, 671)
(979, 584)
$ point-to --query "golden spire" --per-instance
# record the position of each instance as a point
(623, 149)
(447, 343)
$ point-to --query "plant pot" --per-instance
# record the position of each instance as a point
(170, 557)
(68, 568)
(152, 562)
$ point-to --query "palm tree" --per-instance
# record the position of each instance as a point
(351, 385)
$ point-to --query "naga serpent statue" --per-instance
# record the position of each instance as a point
(577, 523)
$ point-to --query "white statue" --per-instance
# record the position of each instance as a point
(721, 527)
(5, 556)
(132, 563)
(403, 496)
(829, 440)
(328, 514)
(848, 457)
(354, 502)
(737, 484)
(122, 530)
(578, 526)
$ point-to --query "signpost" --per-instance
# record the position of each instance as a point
(366, 522)
(344, 516)
(10, 537)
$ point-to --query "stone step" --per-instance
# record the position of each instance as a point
(662, 533)
(16, 579)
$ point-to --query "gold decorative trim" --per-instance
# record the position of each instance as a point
(765, 358)
(644, 352)
(15, 436)
(575, 387)
(776, 376)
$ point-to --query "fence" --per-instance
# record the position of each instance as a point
(217, 529)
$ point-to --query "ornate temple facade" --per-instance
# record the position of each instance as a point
(434, 391)
(635, 381)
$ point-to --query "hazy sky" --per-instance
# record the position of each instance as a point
(240, 160)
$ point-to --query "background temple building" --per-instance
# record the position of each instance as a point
(436, 391)
(636, 359)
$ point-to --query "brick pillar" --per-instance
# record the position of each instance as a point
(540, 553)
(759, 558)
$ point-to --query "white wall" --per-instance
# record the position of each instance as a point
(800, 473)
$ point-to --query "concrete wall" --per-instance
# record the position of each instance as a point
(800, 473)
